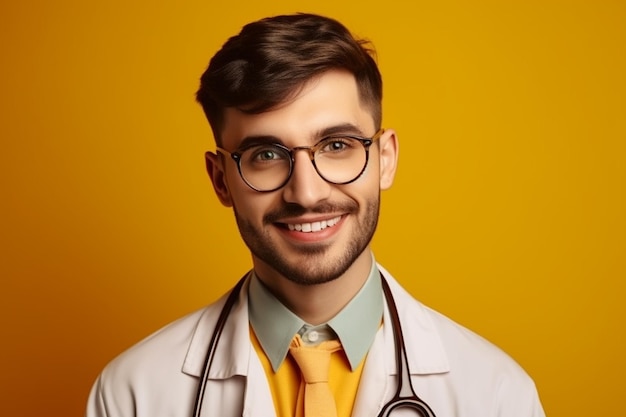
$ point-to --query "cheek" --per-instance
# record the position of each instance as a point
(369, 183)
(372, 171)
(251, 205)
(243, 197)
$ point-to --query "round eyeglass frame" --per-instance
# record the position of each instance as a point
(311, 150)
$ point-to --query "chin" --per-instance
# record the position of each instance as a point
(313, 266)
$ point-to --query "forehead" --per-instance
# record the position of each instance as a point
(329, 100)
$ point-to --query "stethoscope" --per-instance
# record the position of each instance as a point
(405, 396)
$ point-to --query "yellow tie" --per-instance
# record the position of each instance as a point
(314, 363)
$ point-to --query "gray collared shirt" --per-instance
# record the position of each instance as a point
(355, 325)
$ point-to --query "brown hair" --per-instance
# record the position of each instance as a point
(271, 59)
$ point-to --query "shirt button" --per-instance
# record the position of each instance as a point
(313, 335)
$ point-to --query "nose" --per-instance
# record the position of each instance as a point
(305, 187)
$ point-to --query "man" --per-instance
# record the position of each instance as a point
(294, 103)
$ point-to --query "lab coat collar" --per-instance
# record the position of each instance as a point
(421, 338)
(232, 357)
(423, 346)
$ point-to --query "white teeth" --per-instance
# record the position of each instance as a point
(315, 226)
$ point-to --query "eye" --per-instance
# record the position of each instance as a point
(336, 145)
(266, 153)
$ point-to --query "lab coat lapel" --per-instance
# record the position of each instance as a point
(231, 355)
(423, 343)
(423, 346)
(237, 385)
(377, 371)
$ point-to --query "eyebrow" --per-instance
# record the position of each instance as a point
(341, 129)
(250, 141)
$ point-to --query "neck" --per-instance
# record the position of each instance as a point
(316, 303)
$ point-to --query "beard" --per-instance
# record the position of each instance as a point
(313, 263)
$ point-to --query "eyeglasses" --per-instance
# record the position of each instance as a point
(338, 159)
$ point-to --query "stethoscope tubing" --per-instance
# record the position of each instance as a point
(405, 396)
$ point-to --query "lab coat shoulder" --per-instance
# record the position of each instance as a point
(479, 378)
(486, 372)
(158, 375)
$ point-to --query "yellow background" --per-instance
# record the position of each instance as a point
(508, 213)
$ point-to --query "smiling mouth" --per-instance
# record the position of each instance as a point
(314, 226)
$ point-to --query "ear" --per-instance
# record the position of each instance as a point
(215, 168)
(388, 144)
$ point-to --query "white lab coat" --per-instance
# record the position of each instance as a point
(456, 372)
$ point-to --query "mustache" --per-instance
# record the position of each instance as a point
(294, 210)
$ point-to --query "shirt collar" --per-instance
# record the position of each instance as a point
(355, 325)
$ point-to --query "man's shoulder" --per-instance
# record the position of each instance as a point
(463, 344)
(165, 348)
(464, 349)
(158, 374)
(471, 372)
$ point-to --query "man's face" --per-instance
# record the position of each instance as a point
(309, 231)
